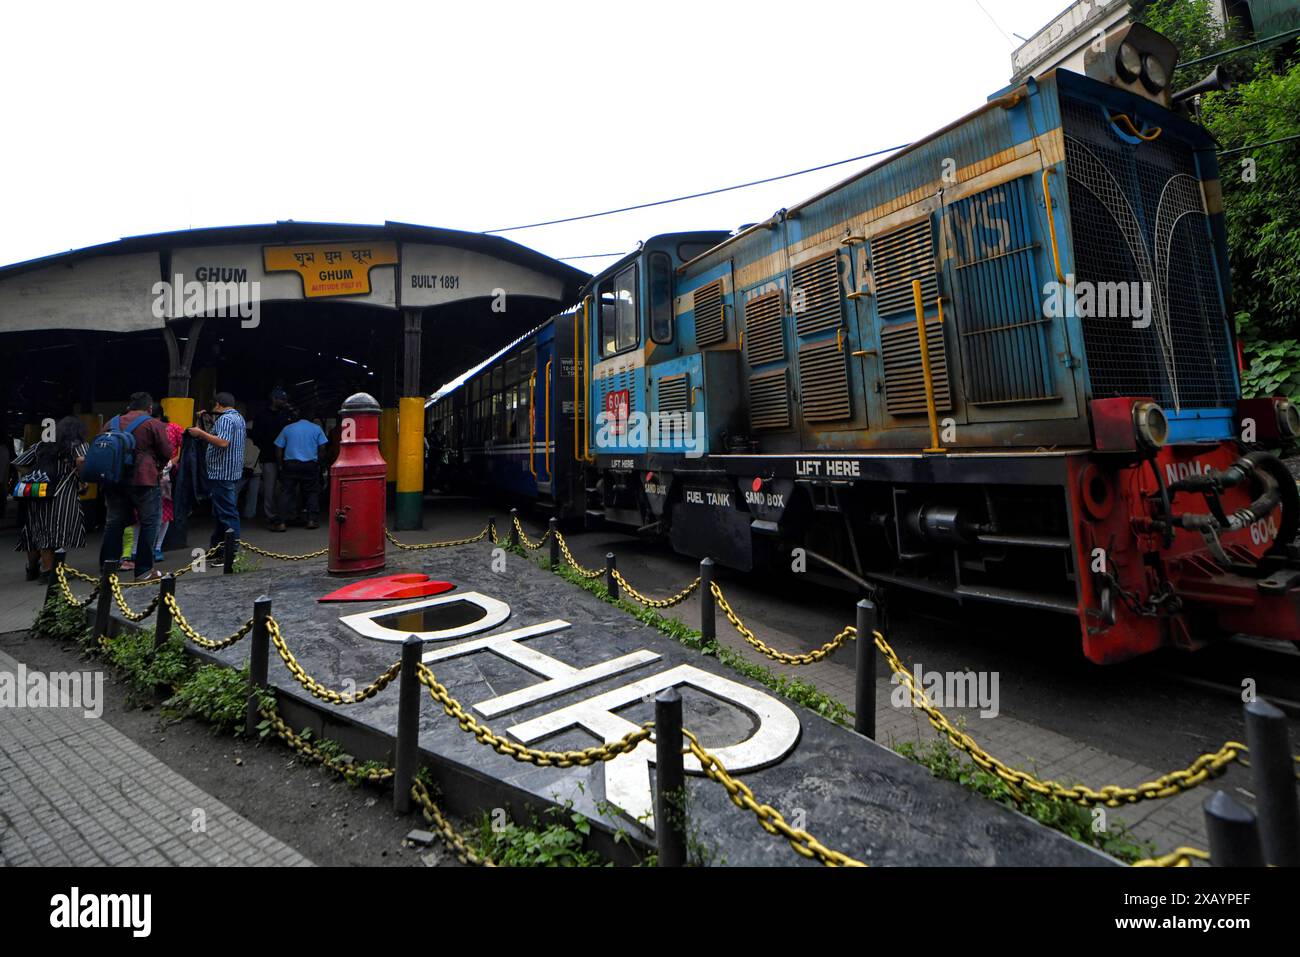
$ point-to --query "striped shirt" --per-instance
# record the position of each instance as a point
(227, 465)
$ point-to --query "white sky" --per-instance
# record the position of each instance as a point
(129, 119)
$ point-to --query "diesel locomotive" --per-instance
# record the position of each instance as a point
(995, 367)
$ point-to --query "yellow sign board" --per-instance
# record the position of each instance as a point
(331, 269)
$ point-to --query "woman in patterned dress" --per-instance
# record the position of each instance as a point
(55, 521)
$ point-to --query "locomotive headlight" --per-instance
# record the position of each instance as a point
(1155, 77)
(1128, 62)
(1288, 418)
(1151, 424)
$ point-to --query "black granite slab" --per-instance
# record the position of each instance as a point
(851, 793)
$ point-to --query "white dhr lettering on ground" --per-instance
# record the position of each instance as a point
(627, 777)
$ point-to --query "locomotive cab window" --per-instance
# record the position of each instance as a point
(661, 297)
(618, 316)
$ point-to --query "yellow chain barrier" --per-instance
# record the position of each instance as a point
(188, 630)
(1182, 857)
(279, 555)
(1112, 795)
(543, 759)
(65, 590)
(118, 597)
(568, 557)
(526, 541)
(808, 658)
(626, 588)
(302, 746)
(466, 854)
(768, 817)
(452, 544)
(317, 689)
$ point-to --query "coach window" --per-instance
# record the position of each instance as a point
(661, 297)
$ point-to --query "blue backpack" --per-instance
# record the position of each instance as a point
(110, 460)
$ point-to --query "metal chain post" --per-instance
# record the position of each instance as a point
(864, 698)
(102, 610)
(258, 661)
(708, 624)
(163, 617)
(514, 528)
(1273, 771)
(408, 724)
(1233, 832)
(611, 566)
(670, 780)
(228, 553)
(555, 543)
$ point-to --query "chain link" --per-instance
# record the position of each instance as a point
(681, 596)
(1182, 857)
(526, 541)
(65, 590)
(808, 658)
(303, 746)
(452, 544)
(769, 818)
(189, 631)
(317, 689)
(466, 854)
(116, 587)
(1112, 795)
(543, 759)
(568, 557)
(280, 556)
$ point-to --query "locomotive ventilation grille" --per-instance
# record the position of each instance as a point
(1138, 218)
(768, 406)
(900, 354)
(897, 259)
(710, 327)
(815, 294)
(763, 332)
(823, 382)
(673, 394)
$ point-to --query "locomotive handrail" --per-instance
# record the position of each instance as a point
(1051, 225)
(926, 374)
(546, 438)
(1123, 120)
(586, 380)
(532, 422)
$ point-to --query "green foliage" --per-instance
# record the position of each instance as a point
(244, 563)
(1274, 368)
(215, 693)
(792, 689)
(59, 621)
(556, 841)
(144, 667)
(1191, 26)
(1073, 820)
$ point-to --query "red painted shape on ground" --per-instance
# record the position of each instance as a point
(408, 585)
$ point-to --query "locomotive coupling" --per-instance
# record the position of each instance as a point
(1255, 467)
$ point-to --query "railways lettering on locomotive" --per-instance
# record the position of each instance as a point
(885, 377)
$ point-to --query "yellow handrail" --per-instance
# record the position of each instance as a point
(586, 380)
(1051, 225)
(1122, 119)
(577, 442)
(532, 421)
(546, 439)
(925, 368)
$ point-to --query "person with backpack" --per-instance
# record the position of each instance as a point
(52, 515)
(224, 463)
(126, 459)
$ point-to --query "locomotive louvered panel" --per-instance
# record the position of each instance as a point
(710, 327)
(674, 394)
(769, 405)
(763, 332)
(815, 294)
(900, 354)
(897, 259)
(1006, 351)
(823, 383)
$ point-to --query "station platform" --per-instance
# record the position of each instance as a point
(565, 670)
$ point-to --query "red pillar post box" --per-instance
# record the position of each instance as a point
(357, 483)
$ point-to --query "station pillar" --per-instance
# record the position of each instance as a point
(388, 447)
(179, 409)
(410, 428)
